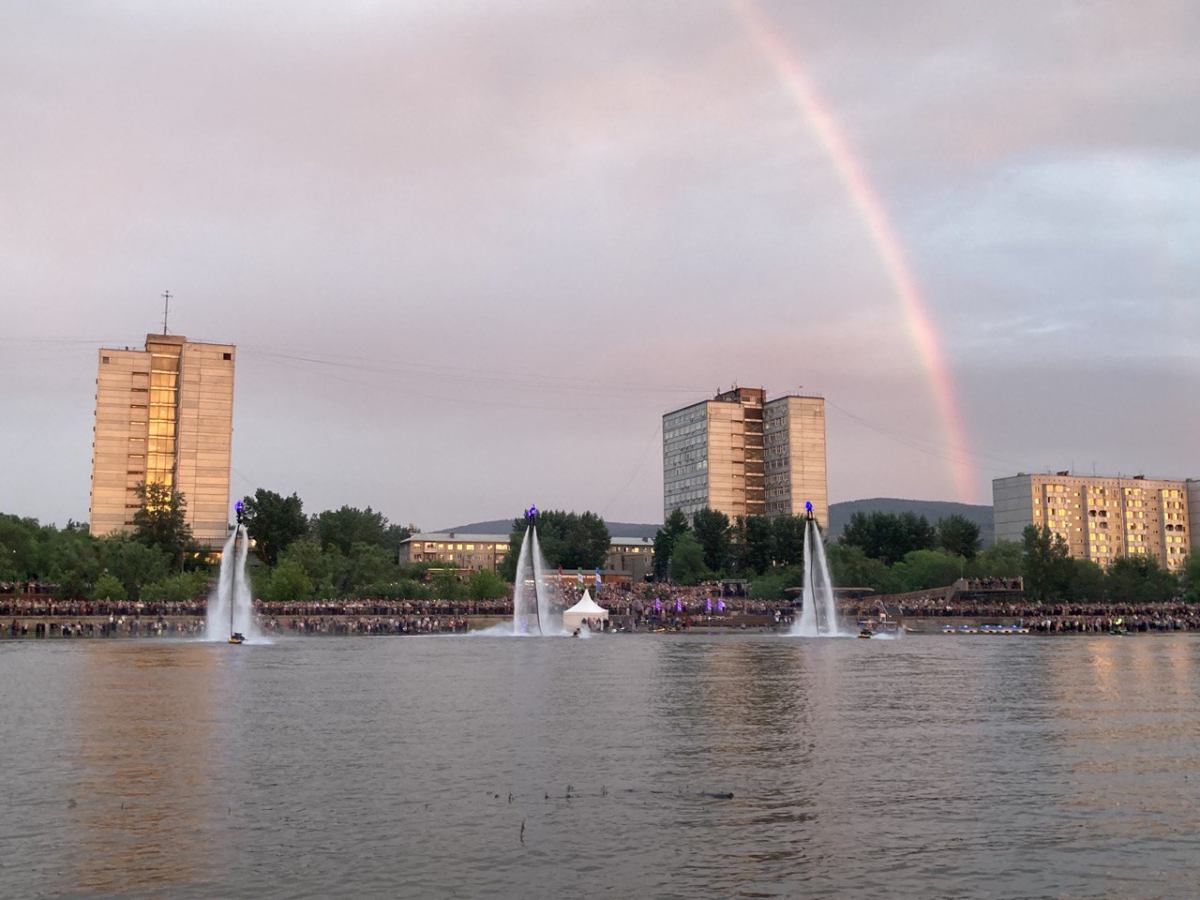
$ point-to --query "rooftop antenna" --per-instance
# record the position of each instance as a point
(166, 295)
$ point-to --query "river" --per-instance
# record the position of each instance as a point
(664, 766)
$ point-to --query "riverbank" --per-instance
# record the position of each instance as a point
(194, 627)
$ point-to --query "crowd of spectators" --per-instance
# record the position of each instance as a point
(391, 608)
(995, 584)
(632, 607)
(43, 607)
(113, 626)
(359, 624)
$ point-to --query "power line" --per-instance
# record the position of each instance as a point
(462, 374)
(928, 447)
(636, 470)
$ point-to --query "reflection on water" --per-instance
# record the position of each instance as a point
(1132, 777)
(142, 757)
(648, 766)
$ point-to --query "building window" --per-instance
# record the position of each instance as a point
(227, 356)
(104, 359)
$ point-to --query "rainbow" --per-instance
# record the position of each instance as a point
(850, 170)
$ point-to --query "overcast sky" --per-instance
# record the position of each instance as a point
(470, 252)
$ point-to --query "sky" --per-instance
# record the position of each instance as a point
(470, 252)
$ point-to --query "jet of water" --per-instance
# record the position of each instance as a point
(232, 608)
(535, 610)
(819, 616)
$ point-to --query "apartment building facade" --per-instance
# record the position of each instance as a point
(745, 455)
(1102, 518)
(164, 415)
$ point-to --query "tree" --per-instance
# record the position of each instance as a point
(1139, 579)
(571, 540)
(1191, 577)
(344, 527)
(447, 586)
(888, 536)
(178, 587)
(851, 567)
(687, 560)
(1085, 581)
(18, 548)
(324, 570)
(1004, 559)
(69, 557)
(766, 587)
(921, 570)
(368, 564)
(487, 585)
(775, 583)
(756, 544)
(958, 536)
(664, 541)
(789, 539)
(161, 522)
(711, 528)
(289, 583)
(132, 563)
(108, 587)
(274, 521)
(1046, 562)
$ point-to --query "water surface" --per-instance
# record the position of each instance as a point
(464, 766)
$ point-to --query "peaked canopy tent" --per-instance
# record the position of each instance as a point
(587, 608)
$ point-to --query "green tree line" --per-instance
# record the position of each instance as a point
(345, 552)
(900, 552)
(768, 553)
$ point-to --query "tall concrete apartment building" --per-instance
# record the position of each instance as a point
(746, 456)
(1102, 518)
(164, 415)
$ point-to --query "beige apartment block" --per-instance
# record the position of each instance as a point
(1101, 518)
(794, 457)
(745, 456)
(471, 552)
(164, 415)
(465, 551)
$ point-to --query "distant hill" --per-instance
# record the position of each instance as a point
(840, 513)
(504, 526)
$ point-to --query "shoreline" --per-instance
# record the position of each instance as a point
(62, 628)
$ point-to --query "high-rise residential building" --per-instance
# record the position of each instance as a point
(1102, 518)
(746, 456)
(164, 415)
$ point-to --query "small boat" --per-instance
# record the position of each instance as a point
(998, 629)
(866, 633)
(237, 638)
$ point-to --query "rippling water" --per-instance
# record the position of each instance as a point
(989, 767)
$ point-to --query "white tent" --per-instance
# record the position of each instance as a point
(587, 608)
